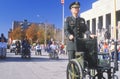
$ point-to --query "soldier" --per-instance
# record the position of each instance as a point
(75, 28)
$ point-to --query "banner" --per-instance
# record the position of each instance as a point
(62, 1)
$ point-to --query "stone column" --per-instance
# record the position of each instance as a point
(112, 25)
(119, 30)
(104, 21)
(97, 23)
(91, 25)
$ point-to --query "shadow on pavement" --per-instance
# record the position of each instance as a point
(32, 59)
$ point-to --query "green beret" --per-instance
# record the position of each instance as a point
(74, 4)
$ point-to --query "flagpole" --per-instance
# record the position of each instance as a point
(63, 23)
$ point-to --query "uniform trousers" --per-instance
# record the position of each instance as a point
(71, 54)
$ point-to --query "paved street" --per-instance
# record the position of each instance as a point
(38, 67)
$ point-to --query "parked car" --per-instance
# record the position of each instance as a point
(3, 47)
(12, 48)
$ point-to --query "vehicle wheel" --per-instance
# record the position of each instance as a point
(15, 53)
(57, 57)
(4, 57)
(10, 51)
(74, 70)
(115, 77)
(22, 56)
(29, 56)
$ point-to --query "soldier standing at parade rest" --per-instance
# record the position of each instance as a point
(75, 27)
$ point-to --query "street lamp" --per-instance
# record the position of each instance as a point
(45, 28)
(45, 33)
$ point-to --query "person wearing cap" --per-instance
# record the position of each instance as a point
(75, 27)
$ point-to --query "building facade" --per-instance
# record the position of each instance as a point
(50, 30)
(101, 17)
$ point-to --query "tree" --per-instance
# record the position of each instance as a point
(31, 33)
(40, 35)
(16, 33)
(50, 32)
(35, 32)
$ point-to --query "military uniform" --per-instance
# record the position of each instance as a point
(77, 28)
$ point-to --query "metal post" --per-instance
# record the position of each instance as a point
(115, 36)
(116, 57)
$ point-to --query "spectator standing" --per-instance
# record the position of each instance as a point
(38, 49)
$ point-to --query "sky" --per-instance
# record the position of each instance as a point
(49, 11)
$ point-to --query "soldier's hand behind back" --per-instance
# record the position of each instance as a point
(93, 36)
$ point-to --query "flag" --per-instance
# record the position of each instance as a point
(62, 1)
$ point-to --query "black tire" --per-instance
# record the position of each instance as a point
(109, 73)
(115, 77)
(29, 57)
(4, 57)
(10, 51)
(74, 70)
(22, 56)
